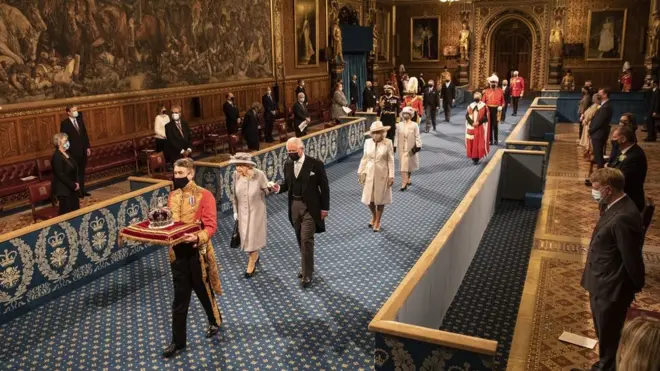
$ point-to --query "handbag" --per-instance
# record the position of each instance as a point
(416, 149)
(235, 237)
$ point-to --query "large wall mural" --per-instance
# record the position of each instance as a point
(65, 48)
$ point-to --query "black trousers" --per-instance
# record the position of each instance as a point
(506, 105)
(430, 116)
(389, 119)
(580, 128)
(447, 107)
(609, 318)
(515, 104)
(598, 148)
(160, 144)
(186, 277)
(494, 127)
(68, 203)
(650, 128)
(81, 161)
(268, 128)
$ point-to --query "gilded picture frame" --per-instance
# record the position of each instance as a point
(306, 21)
(425, 39)
(384, 24)
(606, 34)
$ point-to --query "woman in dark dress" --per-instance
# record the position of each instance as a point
(64, 184)
(250, 129)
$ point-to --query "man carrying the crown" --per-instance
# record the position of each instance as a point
(193, 261)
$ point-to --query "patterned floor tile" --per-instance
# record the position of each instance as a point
(122, 320)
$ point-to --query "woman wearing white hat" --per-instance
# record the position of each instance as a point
(376, 172)
(408, 142)
(249, 203)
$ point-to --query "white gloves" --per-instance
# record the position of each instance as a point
(270, 184)
(499, 108)
(235, 216)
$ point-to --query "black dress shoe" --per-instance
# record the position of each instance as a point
(172, 349)
(212, 331)
(306, 282)
(299, 275)
(87, 194)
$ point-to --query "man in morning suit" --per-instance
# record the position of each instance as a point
(368, 98)
(632, 163)
(599, 130)
(300, 115)
(79, 148)
(431, 102)
(231, 114)
(653, 112)
(309, 201)
(270, 110)
(301, 89)
(448, 96)
(354, 90)
(178, 143)
(614, 271)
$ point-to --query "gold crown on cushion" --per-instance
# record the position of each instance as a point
(160, 217)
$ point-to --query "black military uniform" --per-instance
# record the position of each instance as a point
(388, 111)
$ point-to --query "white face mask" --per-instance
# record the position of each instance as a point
(74, 113)
(595, 194)
(176, 116)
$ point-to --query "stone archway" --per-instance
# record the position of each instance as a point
(487, 21)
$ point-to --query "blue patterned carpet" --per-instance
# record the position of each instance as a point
(487, 302)
(122, 320)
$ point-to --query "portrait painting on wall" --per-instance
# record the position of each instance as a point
(307, 34)
(382, 31)
(79, 48)
(606, 34)
(424, 39)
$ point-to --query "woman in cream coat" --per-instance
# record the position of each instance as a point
(408, 142)
(249, 203)
(588, 115)
(376, 172)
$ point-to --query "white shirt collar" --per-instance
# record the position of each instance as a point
(615, 201)
(605, 101)
(626, 150)
(301, 159)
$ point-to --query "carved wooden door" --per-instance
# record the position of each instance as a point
(512, 49)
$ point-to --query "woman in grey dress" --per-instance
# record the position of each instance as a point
(249, 203)
(338, 102)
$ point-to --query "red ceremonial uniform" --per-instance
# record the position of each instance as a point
(477, 131)
(415, 102)
(517, 86)
(493, 97)
(626, 82)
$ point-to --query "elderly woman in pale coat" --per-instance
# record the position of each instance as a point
(407, 142)
(249, 203)
(338, 102)
(376, 172)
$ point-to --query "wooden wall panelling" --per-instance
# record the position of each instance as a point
(114, 122)
(207, 106)
(28, 141)
(128, 113)
(9, 142)
(217, 101)
(97, 127)
(47, 125)
(143, 118)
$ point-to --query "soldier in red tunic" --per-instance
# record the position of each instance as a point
(626, 81)
(517, 90)
(476, 130)
(413, 100)
(494, 99)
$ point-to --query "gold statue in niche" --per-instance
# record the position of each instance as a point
(654, 35)
(556, 40)
(336, 41)
(464, 41)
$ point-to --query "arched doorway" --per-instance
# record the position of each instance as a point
(512, 48)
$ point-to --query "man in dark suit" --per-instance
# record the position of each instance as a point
(231, 114)
(422, 83)
(614, 271)
(431, 102)
(79, 149)
(632, 163)
(300, 115)
(599, 130)
(369, 98)
(309, 202)
(250, 129)
(301, 88)
(178, 143)
(507, 97)
(448, 96)
(653, 112)
(354, 90)
(270, 110)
